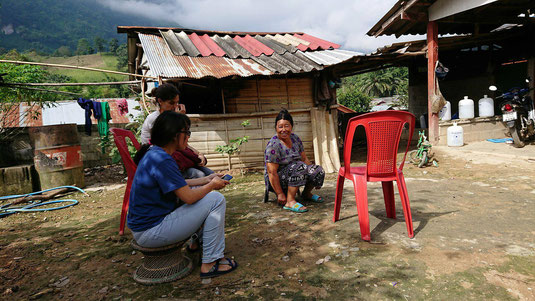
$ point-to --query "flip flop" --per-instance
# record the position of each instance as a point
(215, 272)
(315, 198)
(296, 208)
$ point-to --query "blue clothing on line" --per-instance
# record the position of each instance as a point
(97, 108)
(88, 106)
(152, 195)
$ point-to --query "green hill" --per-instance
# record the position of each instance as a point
(46, 25)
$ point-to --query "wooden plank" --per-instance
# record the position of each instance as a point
(315, 141)
(326, 160)
(333, 144)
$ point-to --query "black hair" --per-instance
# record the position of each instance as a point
(284, 115)
(165, 92)
(166, 127)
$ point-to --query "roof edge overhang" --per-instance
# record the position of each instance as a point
(151, 29)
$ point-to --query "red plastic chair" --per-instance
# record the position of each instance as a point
(119, 136)
(383, 132)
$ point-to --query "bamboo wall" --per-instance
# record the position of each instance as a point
(259, 101)
(263, 95)
(209, 131)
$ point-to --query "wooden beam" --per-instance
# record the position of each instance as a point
(432, 57)
(73, 67)
(420, 17)
(132, 82)
(396, 16)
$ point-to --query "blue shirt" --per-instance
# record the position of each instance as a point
(152, 195)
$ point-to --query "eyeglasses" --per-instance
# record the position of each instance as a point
(186, 132)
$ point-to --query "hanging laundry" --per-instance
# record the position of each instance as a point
(97, 108)
(88, 106)
(122, 104)
(103, 127)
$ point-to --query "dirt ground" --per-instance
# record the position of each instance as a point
(474, 221)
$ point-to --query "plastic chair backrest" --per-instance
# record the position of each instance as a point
(119, 136)
(383, 132)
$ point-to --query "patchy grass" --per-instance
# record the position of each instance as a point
(460, 251)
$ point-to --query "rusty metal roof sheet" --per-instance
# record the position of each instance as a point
(163, 62)
(195, 54)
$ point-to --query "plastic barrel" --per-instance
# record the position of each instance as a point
(58, 155)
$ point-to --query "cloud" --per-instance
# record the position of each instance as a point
(343, 21)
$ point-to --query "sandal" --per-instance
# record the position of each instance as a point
(297, 207)
(315, 198)
(215, 272)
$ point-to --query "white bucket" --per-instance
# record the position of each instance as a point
(445, 112)
(466, 108)
(455, 135)
(486, 107)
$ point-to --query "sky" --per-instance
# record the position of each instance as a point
(344, 22)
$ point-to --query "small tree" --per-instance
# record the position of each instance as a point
(11, 97)
(63, 51)
(352, 98)
(100, 44)
(234, 145)
(122, 56)
(84, 47)
(113, 44)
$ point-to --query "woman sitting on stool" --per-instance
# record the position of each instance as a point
(288, 168)
(154, 215)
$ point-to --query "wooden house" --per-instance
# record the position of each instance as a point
(226, 78)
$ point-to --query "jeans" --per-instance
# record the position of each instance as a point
(197, 172)
(186, 220)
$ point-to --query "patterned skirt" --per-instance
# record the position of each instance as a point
(298, 174)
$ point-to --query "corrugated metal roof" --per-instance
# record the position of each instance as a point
(174, 54)
(163, 62)
(411, 17)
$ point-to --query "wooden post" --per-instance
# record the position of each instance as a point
(228, 140)
(223, 100)
(333, 143)
(323, 138)
(432, 57)
(315, 142)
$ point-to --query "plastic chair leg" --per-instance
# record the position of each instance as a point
(361, 195)
(388, 193)
(124, 210)
(338, 197)
(406, 204)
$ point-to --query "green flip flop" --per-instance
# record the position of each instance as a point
(297, 207)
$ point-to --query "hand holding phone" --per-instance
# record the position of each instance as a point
(227, 177)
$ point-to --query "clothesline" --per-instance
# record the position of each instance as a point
(76, 67)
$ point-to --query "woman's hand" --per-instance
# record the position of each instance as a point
(211, 176)
(217, 183)
(203, 160)
(281, 198)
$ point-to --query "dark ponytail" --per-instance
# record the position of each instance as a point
(165, 92)
(284, 115)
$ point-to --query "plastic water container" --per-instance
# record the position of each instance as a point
(486, 107)
(445, 112)
(466, 108)
(455, 135)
